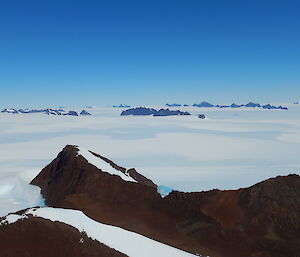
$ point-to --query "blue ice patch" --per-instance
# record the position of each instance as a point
(164, 190)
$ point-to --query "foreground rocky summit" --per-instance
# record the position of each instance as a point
(60, 232)
(259, 221)
(36, 236)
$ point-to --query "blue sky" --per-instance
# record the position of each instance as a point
(148, 52)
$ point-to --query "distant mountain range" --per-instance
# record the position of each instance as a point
(46, 111)
(150, 111)
(233, 105)
(121, 106)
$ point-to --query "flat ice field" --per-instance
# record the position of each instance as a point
(231, 148)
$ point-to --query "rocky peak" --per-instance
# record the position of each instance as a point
(262, 220)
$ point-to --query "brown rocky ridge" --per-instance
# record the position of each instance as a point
(259, 221)
(39, 237)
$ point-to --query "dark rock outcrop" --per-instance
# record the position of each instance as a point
(168, 112)
(51, 112)
(139, 111)
(150, 111)
(24, 111)
(14, 111)
(36, 237)
(233, 105)
(272, 107)
(203, 104)
(84, 112)
(259, 221)
(71, 113)
(47, 111)
(173, 105)
(253, 105)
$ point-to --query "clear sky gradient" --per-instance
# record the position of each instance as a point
(148, 52)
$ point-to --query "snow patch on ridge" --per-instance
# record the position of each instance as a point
(102, 165)
(127, 242)
(12, 218)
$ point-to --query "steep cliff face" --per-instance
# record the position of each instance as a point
(71, 174)
(260, 221)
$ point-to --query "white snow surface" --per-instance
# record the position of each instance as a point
(16, 193)
(102, 165)
(230, 149)
(127, 242)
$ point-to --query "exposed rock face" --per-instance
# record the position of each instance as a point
(71, 113)
(167, 112)
(36, 237)
(270, 107)
(253, 105)
(139, 111)
(52, 112)
(14, 111)
(46, 111)
(84, 112)
(203, 104)
(173, 105)
(233, 105)
(71, 174)
(260, 221)
(150, 111)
